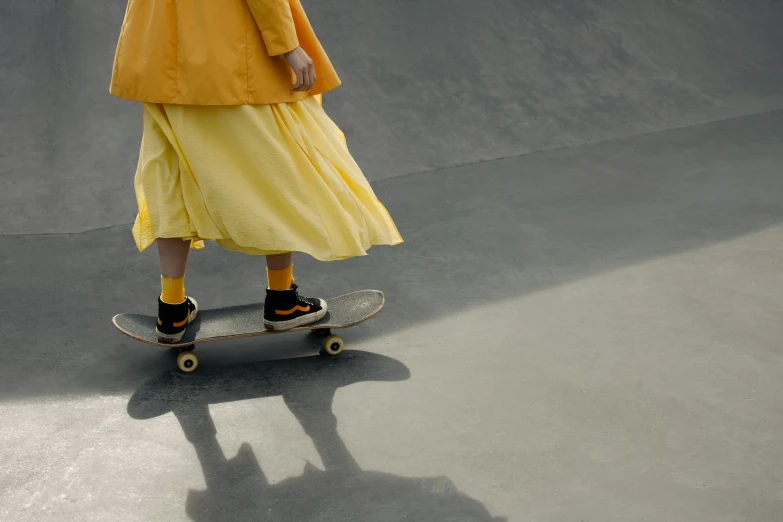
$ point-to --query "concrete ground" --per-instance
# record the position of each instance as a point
(584, 323)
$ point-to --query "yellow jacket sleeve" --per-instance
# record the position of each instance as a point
(276, 23)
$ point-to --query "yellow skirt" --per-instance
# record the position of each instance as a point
(257, 179)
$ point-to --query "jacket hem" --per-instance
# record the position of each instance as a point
(135, 95)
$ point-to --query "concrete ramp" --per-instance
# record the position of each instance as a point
(444, 82)
(427, 84)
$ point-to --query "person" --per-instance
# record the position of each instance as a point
(237, 149)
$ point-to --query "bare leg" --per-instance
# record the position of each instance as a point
(279, 261)
(173, 253)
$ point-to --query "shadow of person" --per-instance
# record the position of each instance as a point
(237, 488)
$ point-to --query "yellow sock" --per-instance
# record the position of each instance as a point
(172, 290)
(280, 279)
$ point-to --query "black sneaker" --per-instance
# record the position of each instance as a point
(286, 309)
(174, 318)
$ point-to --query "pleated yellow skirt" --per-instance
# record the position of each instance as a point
(257, 179)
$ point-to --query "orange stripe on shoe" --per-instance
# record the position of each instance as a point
(292, 310)
(183, 323)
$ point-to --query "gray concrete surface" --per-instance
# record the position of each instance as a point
(583, 324)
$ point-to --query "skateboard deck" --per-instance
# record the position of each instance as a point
(242, 321)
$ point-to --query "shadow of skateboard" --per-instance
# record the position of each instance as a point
(236, 486)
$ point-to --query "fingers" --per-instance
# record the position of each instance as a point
(304, 69)
(297, 87)
(312, 76)
(305, 78)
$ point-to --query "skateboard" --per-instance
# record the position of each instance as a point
(236, 322)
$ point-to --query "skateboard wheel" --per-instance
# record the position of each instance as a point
(187, 361)
(333, 345)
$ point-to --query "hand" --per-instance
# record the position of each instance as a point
(304, 69)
